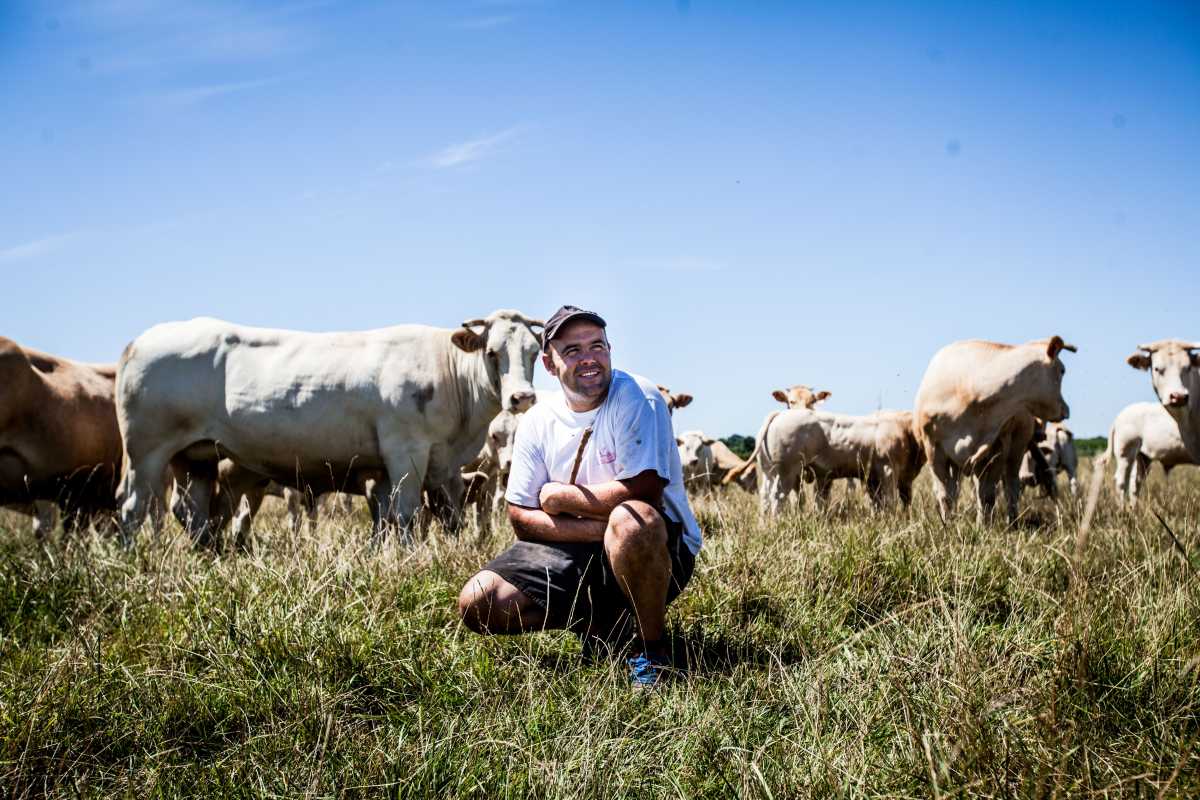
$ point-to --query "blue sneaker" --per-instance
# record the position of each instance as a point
(645, 671)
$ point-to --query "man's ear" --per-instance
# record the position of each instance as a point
(780, 396)
(467, 340)
(548, 363)
(1139, 360)
(682, 400)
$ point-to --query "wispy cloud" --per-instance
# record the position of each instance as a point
(153, 34)
(485, 23)
(192, 95)
(466, 152)
(36, 248)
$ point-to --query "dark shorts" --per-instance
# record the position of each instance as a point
(573, 581)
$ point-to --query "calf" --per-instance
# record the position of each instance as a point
(1140, 435)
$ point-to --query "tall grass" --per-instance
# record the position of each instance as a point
(846, 654)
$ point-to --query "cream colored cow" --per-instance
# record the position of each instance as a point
(975, 412)
(800, 445)
(394, 409)
(1174, 367)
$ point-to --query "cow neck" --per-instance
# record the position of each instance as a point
(475, 395)
(1188, 430)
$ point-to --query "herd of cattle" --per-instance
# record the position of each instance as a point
(420, 421)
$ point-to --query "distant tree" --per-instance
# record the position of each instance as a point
(1091, 447)
(742, 446)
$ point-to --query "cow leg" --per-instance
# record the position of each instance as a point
(1012, 483)
(45, 517)
(945, 482)
(200, 484)
(1137, 477)
(821, 490)
(985, 495)
(300, 504)
(243, 519)
(1121, 479)
(142, 491)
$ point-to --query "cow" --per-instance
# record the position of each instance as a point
(385, 411)
(707, 461)
(1051, 452)
(674, 401)
(974, 415)
(803, 445)
(59, 443)
(1174, 367)
(1141, 434)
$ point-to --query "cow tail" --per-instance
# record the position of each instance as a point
(738, 472)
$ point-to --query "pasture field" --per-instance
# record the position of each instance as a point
(846, 654)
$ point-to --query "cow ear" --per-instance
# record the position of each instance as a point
(1139, 360)
(821, 396)
(679, 441)
(467, 340)
(710, 442)
(1056, 345)
(780, 396)
(682, 400)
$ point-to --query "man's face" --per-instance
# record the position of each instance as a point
(580, 358)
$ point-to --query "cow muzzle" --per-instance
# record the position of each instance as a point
(1178, 399)
(520, 402)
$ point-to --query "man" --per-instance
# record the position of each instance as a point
(596, 499)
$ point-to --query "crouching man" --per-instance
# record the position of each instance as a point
(596, 499)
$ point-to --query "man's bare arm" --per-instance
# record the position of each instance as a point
(534, 524)
(596, 501)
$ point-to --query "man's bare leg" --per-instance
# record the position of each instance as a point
(489, 604)
(636, 544)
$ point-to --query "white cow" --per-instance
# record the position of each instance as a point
(975, 413)
(383, 411)
(1140, 435)
(1056, 447)
(707, 462)
(1174, 367)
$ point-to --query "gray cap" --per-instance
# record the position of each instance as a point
(562, 317)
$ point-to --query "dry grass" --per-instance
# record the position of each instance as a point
(848, 655)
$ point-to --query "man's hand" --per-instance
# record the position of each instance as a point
(549, 497)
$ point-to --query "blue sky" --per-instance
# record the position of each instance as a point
(754, 195)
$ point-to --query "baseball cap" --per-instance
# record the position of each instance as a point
(562, 317)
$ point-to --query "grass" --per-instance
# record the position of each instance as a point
(850, 654)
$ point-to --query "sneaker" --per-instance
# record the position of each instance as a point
(646, 671)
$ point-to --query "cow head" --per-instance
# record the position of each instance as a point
(674, 401)
(695, 454)
(800, 396)
(1174, 368)
(508, 343)
(1041, 378)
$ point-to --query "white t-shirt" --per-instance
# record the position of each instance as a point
(631, 433)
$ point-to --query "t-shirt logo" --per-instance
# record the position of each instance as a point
(607, 456)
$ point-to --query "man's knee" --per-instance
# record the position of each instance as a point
(635, 523)
(475, 601)
(490, 604)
